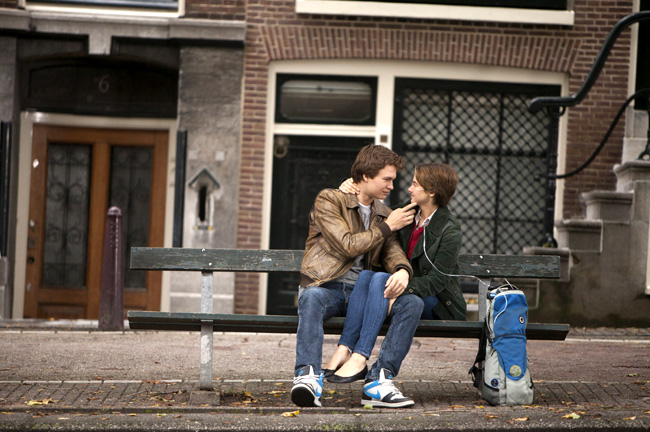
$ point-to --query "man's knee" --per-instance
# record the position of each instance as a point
(309, 299)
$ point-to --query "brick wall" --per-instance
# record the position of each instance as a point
(276, 32)
(234, 10)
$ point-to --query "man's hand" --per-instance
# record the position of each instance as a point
(349, 187)
(396, 284)
(401, 217)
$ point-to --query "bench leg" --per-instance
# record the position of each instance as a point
(207, 290)
(205, 378)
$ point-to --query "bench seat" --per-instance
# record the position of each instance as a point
(183, 321)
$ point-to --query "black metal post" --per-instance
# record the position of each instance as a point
(111, 303)
(645, 154)
(5, 180)
(179, 185)
(551, 184)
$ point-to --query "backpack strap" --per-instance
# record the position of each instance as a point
(476, 371)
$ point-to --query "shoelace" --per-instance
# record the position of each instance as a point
(390, 386)
(300, 379)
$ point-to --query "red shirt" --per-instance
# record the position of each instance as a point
(415, 236)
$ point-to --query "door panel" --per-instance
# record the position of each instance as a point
(309, 165)
(78, 173)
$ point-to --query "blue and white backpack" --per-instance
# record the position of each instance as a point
(500, 370)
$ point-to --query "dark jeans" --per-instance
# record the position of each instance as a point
(316, 304)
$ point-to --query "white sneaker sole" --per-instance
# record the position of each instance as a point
(382, 404)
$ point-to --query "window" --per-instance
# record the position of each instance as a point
(166, 6)
(326, 99)
(553, 12)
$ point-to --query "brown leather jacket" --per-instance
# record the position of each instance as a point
(337, 236)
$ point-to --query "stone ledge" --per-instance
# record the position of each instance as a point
(123, 26)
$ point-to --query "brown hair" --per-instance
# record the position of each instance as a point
(439, 179)
(372, 159)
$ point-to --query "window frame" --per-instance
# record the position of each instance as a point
(426, 10)
(282, 78)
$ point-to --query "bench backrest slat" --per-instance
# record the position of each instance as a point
(250, 260)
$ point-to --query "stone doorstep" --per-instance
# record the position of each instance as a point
(608, 205)
(579, 235)
(630, 172)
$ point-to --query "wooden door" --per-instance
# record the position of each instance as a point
(77, 174)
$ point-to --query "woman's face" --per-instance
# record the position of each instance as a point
(418, 194)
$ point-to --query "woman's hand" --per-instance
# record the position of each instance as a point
(396, 284)
(349, 187)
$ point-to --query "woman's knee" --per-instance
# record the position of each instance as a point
(413, 303)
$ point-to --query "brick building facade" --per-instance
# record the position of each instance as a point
(276, 32)
(415, 65)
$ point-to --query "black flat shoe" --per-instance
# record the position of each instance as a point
(334, 378)
(329, 372)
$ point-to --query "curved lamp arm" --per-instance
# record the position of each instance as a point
(538, 103)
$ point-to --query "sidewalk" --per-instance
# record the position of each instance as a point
(88, 380)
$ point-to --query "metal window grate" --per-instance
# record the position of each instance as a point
(497, 147)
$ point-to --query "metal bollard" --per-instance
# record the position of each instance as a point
(111, 302)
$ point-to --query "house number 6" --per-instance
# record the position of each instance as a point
(104, 85)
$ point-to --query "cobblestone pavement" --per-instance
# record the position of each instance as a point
(87, 380)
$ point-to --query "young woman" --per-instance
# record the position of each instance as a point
(432, 244)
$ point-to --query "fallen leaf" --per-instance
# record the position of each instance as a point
(490, 416)
(290, 413)
(161, 414)
(39, 402)
(457, 406)
(367, 406)
(634, 374)
(629, 418)
(521, 419)
(572, 416)
(330, 391)
(132, 415)
(63, 418)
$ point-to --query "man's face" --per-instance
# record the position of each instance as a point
(379, 186)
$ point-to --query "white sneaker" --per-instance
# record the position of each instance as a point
(383, 393)
(307, 388)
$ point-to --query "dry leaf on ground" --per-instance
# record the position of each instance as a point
(39, 402)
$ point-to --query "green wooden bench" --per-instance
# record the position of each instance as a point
(208, 261)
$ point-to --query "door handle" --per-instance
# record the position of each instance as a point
(30, 260)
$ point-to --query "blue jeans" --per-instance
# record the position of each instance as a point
(429, 304)
(367, 311)
(315, 305)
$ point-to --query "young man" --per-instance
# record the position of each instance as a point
(347, 234)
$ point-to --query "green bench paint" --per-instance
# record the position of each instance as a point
(208, 261)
